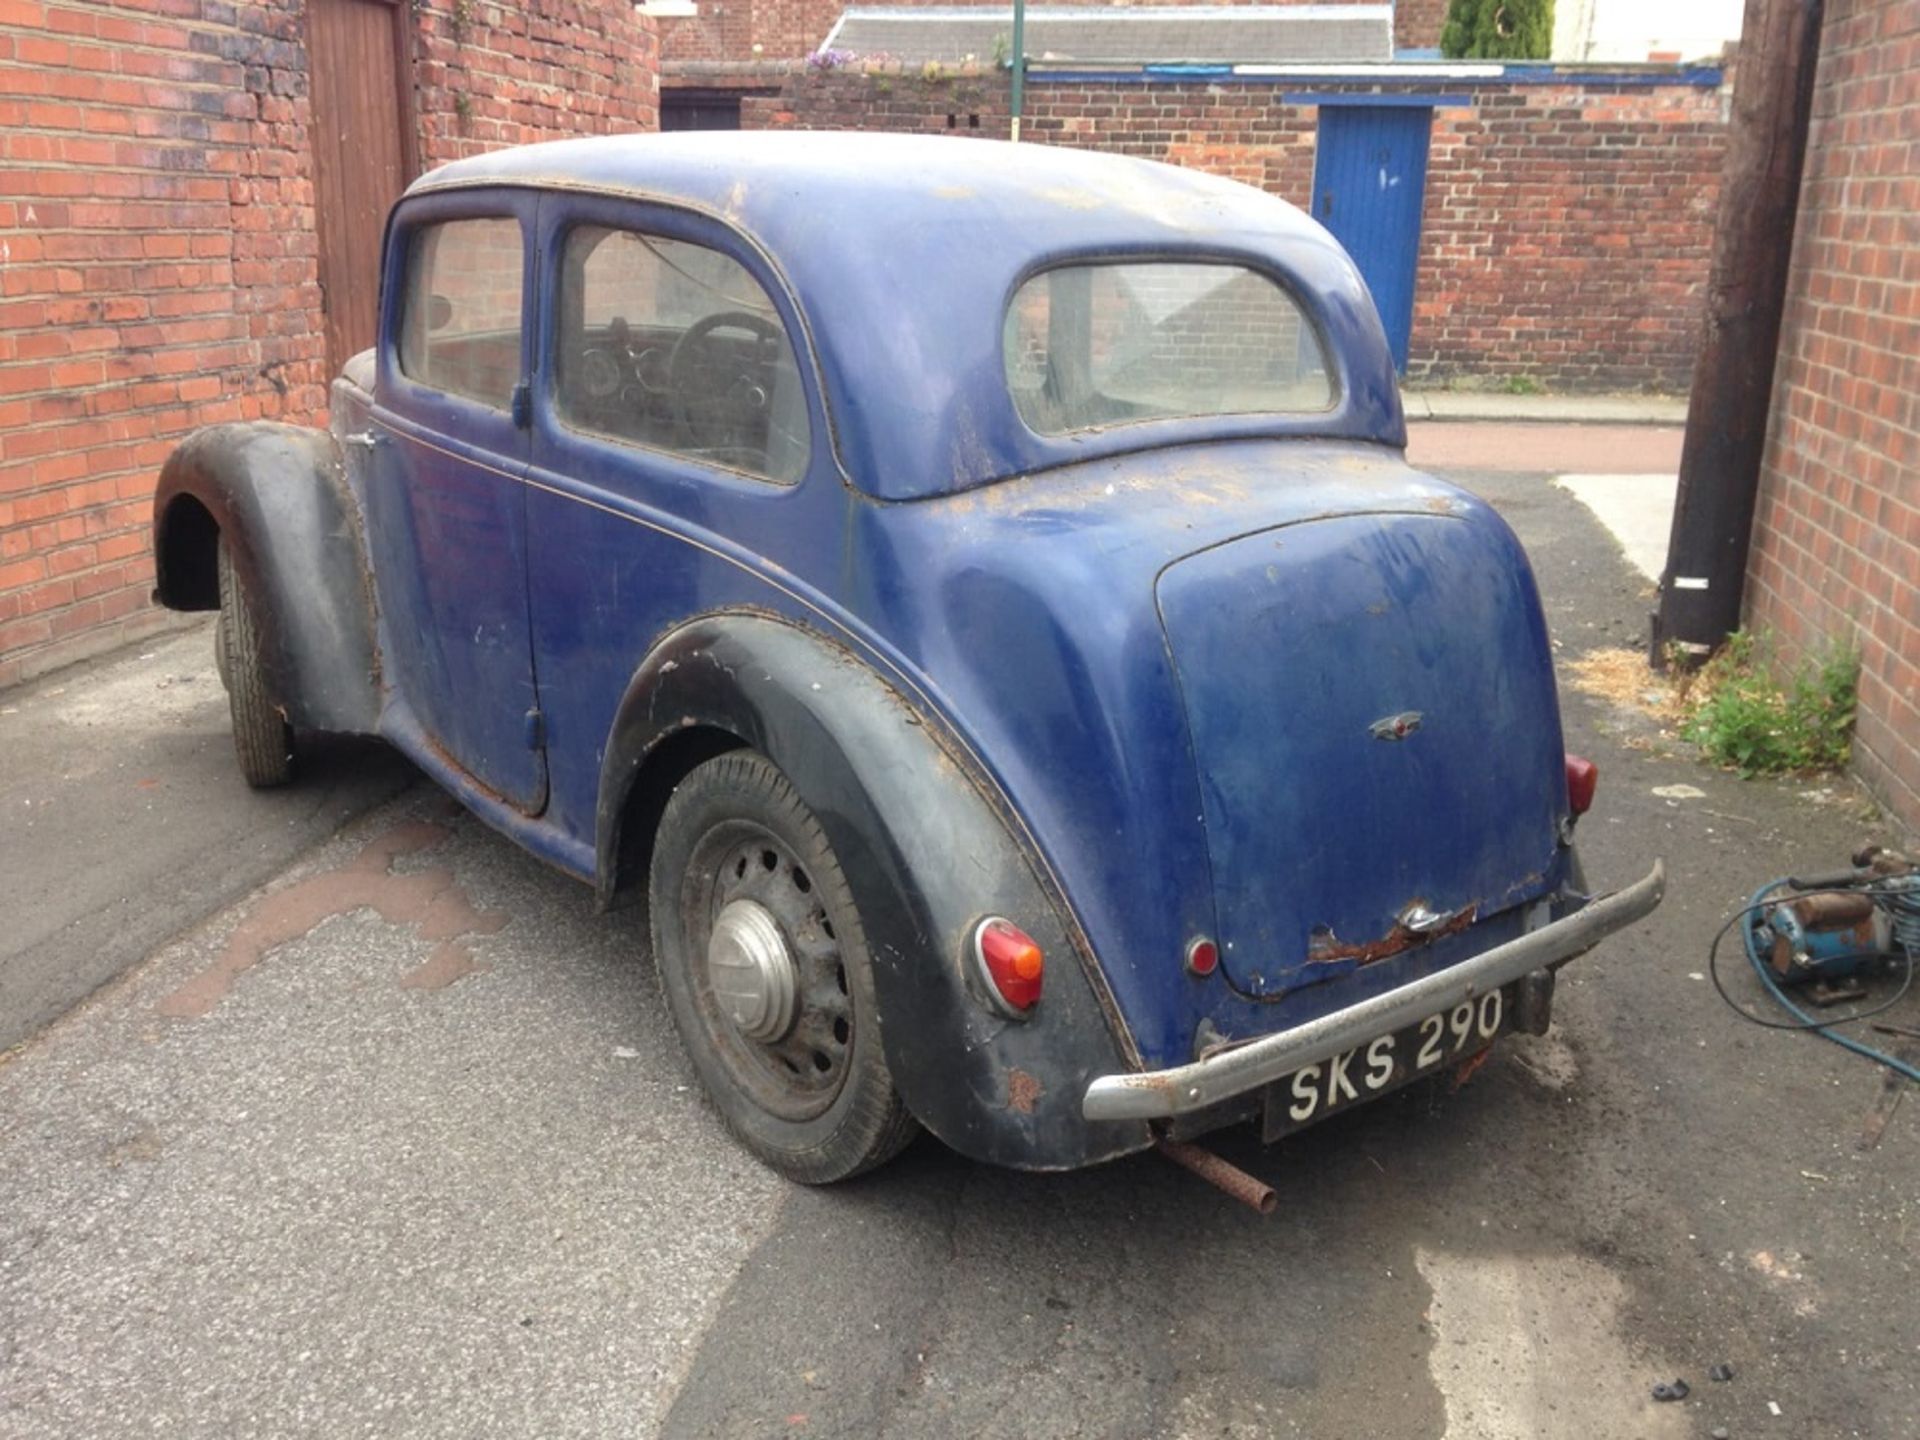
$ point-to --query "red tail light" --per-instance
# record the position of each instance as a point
(1203, 956)
(1010, 963)
(1583, 777)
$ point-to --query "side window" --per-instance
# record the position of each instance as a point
(675, 347)
(460, 315)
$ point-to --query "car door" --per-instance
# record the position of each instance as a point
(674, 436)
(446, 493)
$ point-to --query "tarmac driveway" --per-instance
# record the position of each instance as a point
(401, 1144)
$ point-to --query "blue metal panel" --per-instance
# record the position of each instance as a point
(1369, 180)
(626, 542)
(1297, 649)
(446, 514)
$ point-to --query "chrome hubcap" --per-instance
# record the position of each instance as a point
(755, 980)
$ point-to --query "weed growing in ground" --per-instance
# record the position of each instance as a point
(1745, 718)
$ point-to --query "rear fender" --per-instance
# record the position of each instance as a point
(927, 857)
(278, 495)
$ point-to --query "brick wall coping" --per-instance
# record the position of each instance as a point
(1612, 77)
(1412, 74)
(771, 71)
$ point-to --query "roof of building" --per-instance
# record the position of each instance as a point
(902, 250)
(1111, 34)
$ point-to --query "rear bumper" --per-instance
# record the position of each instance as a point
(1160, 1094)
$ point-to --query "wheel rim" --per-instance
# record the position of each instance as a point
(769, 980)
(752, 971)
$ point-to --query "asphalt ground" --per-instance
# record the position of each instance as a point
(126, 821)
(397, 1141)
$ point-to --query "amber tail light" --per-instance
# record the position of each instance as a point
(1010, 963)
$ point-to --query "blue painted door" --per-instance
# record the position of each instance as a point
(1369, 179)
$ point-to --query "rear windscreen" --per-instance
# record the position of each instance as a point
(1088, 346)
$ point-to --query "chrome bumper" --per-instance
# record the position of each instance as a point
(1157, 1094)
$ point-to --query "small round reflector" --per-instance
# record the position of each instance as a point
(1583, 778)
(1203, 956)
(1011, 964)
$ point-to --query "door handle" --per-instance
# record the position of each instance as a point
(363, 440)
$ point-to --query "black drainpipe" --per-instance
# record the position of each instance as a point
(1702, 586)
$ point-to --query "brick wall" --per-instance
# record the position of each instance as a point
(1568, 234)
(1416, 23)
(517, 73)
(723, 30)
(1567, 229)
(158, 257)
(1836, 544)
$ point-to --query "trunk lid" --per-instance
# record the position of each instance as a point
(1371, 704)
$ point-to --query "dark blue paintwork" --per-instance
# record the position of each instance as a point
(1323, 830)
(446, 526)
(1009, 586)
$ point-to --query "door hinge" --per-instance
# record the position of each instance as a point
(522, 405)
(536, 730)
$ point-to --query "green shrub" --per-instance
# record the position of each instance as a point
(1498, 30)
(1746, 719)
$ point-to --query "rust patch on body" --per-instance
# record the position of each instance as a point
(1023, 1092)
(1327, 949)
(431, 902)
(1470, 1067)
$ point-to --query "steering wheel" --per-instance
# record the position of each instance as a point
(709, 405)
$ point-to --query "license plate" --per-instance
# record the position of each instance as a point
(1369, 1071)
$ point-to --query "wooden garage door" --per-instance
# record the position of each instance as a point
(359, 52)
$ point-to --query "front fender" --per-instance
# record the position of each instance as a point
(927, 856)
(278, 495)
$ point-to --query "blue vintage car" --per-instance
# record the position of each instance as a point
(972, 594)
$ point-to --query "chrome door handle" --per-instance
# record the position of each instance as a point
(365, 440)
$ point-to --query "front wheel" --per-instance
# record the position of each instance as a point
(765, 969)
(262, 738)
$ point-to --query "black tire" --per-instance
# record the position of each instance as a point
(816, 1102)
(262, 738)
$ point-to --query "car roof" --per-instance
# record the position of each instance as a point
(902, 252)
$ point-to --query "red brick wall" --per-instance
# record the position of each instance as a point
(1836, 543)
(723, 30)
(158, 258)
(1566, 233)
(1416, 23)
(528, 72)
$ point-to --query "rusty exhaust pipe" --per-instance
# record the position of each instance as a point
(1255, 1194)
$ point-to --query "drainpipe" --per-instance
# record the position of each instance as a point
(1705, 576)
(1019, 62)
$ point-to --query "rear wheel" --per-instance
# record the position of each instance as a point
(764, 965)
(262, 738)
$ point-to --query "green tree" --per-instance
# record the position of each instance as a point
(1498, 30)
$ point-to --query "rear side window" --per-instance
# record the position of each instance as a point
(1088, 346)
(675, 347)
(460, 314)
